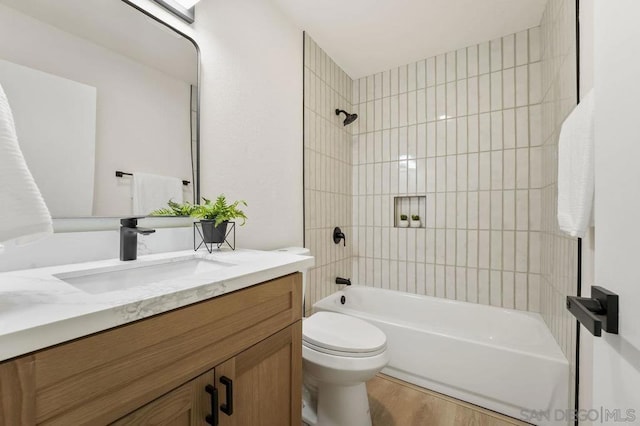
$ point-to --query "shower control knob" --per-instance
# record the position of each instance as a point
(339, 235)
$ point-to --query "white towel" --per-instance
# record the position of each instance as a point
(152, 192)
(24, 216)
(576, 169)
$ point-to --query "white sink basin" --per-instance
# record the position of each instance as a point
(135, 274)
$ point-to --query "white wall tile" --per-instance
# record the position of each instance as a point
(421, 75)
(441, 69)
(421, 106)
(484, 210)
(441, 138)
(496, 210)
(522, 50)
(534, 44)
(483, 286)
(496, 54)
(508, 51)
(370, 88)
(377, 110)
(403, 79)
(484, 93)
(522, 86)
(509, 128)
(431, 103)
(451, 99)
(535, 125)
(535, 83)
(441, 102)
(484, 123)
(458, 128)
(452, 136)
(412, 83)
(393, 111)
(508, 88)
(496, 130)
(472, 60)
(431, 71)
(461, 64)
(451, 66)
(473, 136)
(522, 127)
(473, 97)
(484, 60)
(393, 81)
(386, 83)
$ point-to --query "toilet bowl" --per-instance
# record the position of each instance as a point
(339, 354)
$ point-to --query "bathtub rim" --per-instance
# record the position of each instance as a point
(326, 301)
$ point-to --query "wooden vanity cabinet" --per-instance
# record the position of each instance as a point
(245, 348)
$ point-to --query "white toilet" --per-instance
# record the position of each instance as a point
(339, 354)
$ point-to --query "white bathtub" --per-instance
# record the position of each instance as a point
(500, 359)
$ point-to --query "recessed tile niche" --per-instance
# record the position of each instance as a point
(409, 205)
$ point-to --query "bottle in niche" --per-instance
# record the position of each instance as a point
(415, 221)
(404, 221)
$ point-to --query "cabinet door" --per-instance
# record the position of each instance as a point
(187, 405)
(262, 385)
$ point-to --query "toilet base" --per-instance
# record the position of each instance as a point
(339, 406)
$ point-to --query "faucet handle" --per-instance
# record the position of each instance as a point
(339, 235)
(130, 222)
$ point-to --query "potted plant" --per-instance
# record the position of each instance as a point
(404, 222)
(214, 217)
(415, 221)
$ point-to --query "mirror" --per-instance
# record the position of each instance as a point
(99, 87)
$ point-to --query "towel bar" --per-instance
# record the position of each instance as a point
(122, 174)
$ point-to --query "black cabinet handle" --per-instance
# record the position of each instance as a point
(212, 418)
(228, 384)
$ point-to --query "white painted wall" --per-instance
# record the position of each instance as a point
(251, 116)
(616, 358)
(251, 113)
(143, 117)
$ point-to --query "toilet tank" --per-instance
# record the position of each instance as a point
(301, 251)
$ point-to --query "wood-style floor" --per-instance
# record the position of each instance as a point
(397, 403)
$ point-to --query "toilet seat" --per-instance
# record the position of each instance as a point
(342, 335)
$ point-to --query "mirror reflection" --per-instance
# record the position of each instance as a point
(106, 114)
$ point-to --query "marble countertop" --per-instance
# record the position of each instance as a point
(38, 310)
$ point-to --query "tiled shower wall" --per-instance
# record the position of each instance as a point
(327, 171)
(462, 129)
(559, 252)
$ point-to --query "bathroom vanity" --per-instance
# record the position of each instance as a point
(231, 358)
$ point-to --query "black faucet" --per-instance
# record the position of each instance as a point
(343, 281)
(129, 237)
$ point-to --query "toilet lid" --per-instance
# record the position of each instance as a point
(342, 333)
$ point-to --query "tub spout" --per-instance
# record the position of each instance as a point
(343, 281)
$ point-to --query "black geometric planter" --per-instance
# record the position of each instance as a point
(212, 234)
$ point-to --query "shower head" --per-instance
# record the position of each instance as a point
(349, 118)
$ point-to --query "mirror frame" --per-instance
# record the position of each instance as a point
(85, 224)
(187, 15)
